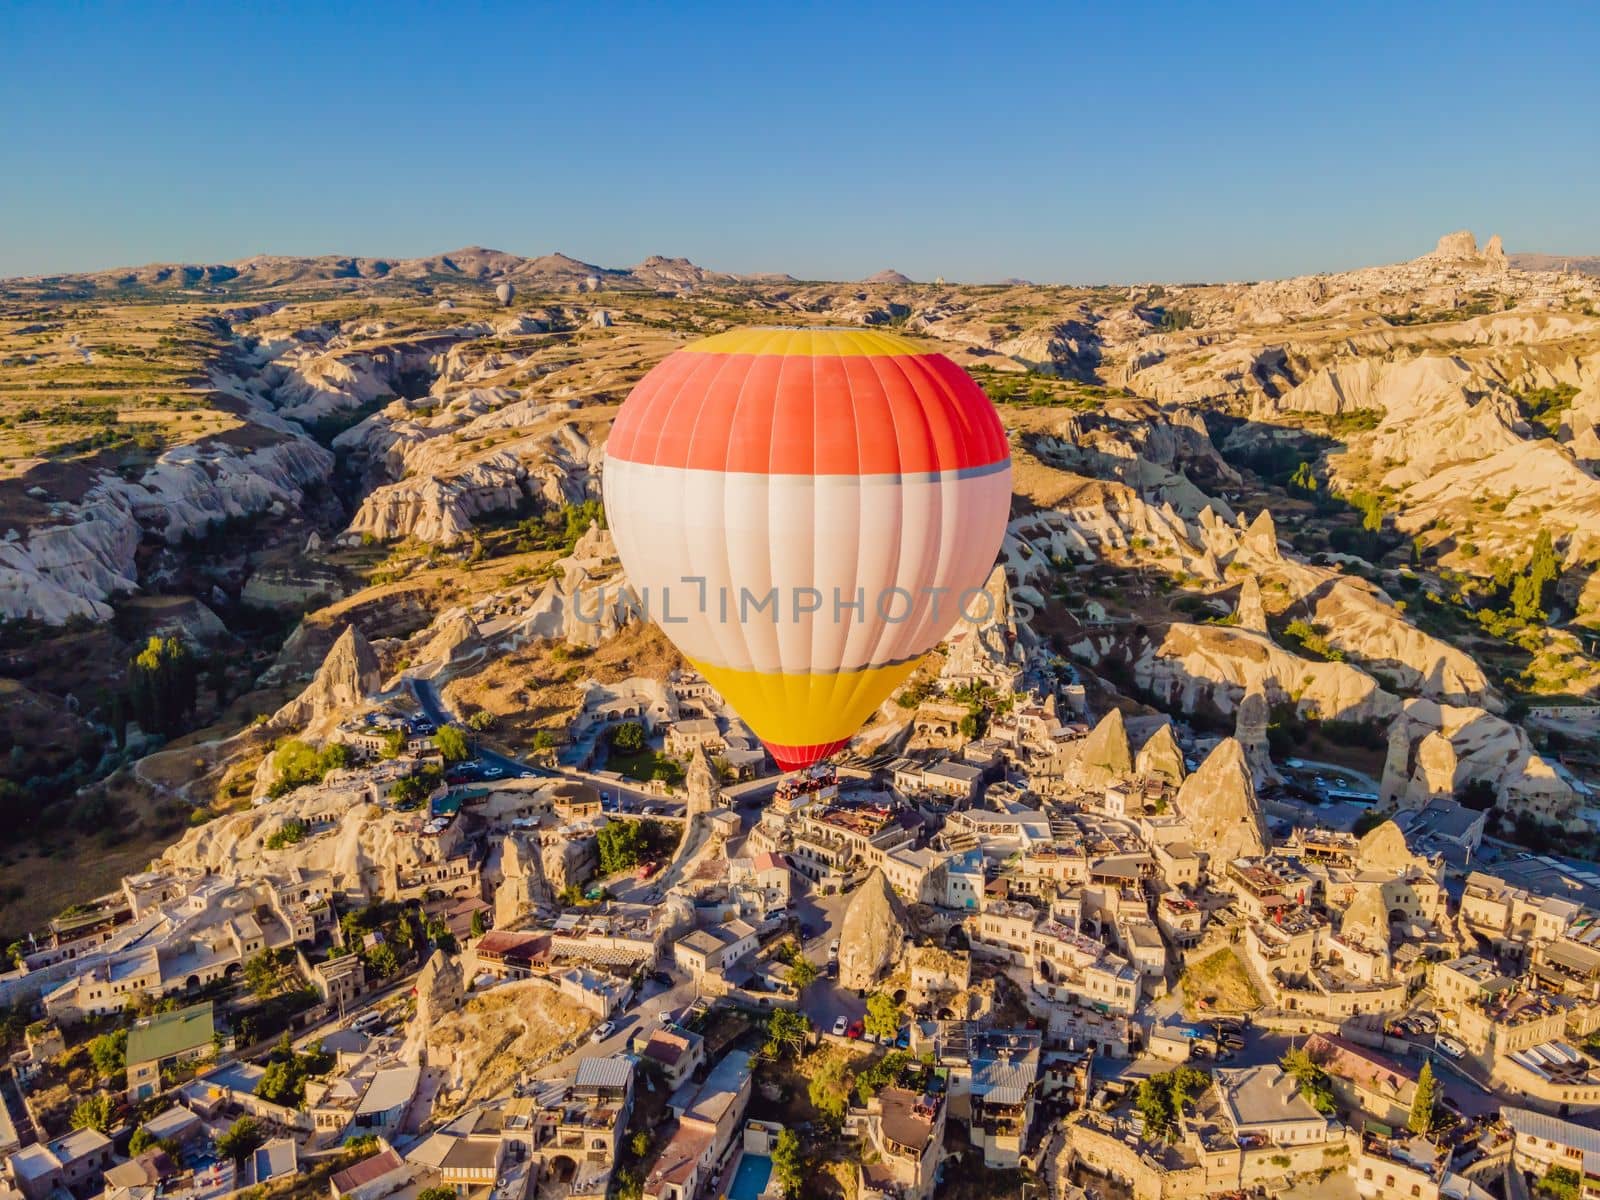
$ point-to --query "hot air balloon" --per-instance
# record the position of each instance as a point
(805, 513)
(504, 292)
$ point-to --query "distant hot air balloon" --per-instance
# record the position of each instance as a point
(504, 292)
(804, 512)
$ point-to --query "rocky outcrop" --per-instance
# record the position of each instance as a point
(522, 886)
(1250, 730)
(1193, 667)
(1470, 744)
(873, 933)
(1103, 756)
(1249, 612)
(439, 989)
(1383, 849)
(348, 675)
(1160, 757)
(1219, 803)
(703, 789)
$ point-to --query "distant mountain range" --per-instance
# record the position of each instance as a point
(1584, 264)
(478, 264)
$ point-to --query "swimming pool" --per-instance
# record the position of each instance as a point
(750, 1180)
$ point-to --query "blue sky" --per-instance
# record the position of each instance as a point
(1054, 142)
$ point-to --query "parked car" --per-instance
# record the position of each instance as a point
(602, 1031)
(833, 950)
(856, 1030)
(1449, 1046)
(840, 1026)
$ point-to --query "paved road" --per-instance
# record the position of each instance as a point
(643, 1016)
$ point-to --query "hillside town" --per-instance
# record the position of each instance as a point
(1058, 947)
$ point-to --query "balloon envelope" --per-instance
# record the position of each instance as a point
(801, 511)
(504, 292)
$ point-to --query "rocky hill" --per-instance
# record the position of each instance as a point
(1323, 489)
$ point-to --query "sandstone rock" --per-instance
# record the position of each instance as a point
(1366, 921)
(873, 933)
(1460, 244)
(701, 784)
(1219, 803)
(439, 988)
(1250, 729)
(1260, 540)
(1160, 756)
(348, 675)
(522, 886)
(1103, 756)
(1383, 849)
(1250, 612)
(1193, 667)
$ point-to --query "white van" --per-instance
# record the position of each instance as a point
(1448, 1046)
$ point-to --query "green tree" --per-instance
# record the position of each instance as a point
(437, 1193)
(628, 738)
(263, 973)
(394, 744)
(290, 833)
(788, 1167)
(298, 764)
(802, 972)
(621, 846)
(415, 788)
(1560, 1183)
(786, 1030)
(829, 1090)
(883, 1016)
(481, 720)
(382, 961)
(97, 1112)
(1304, 479)
(479, 926)
(1309, 1077)
(1424, 1101)
(1531, 591)
(640, 1143)
(162, 685)
(141, 1141)
(452, 743)
(240, 1140)
(1154, 1103)
(109, 1053)
(283, 1082)
(545, 740)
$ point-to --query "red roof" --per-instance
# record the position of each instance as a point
(367, 1170)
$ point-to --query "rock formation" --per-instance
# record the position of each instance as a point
(1383, 849)
(1260, 541)
(1219, 803)
(348, 675)
(1211, 666)
(439, 988)
(1365, 922)
(703, 787)
(1250, 729)
(1250, 613)
(1160, 757)
(873, 933)
(1103, 756)
(522, 885)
